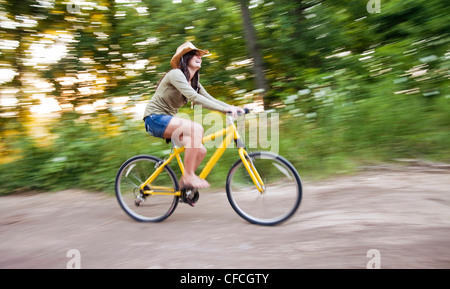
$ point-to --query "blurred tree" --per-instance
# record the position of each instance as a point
(20, 31)
(254, 49)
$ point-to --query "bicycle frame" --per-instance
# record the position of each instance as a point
(231, 134)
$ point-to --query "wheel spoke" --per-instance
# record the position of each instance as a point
(157, 207)
(282, 194)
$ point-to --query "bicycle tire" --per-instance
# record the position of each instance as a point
(296, 195)
(130, 211)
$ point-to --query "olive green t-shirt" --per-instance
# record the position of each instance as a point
(174, 91)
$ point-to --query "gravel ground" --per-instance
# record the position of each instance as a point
(402, 215)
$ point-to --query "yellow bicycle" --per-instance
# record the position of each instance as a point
(262, 187)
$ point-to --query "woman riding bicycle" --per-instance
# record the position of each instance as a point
(175, 89)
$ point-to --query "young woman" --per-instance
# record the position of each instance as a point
(176, 88)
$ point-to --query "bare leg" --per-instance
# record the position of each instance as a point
(190, 135)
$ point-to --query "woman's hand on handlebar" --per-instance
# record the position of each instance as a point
(234, 111)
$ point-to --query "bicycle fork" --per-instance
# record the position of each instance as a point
(253, 173)
(248, 162)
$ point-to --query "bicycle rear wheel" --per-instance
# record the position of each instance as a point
(282, 192)
(142, 206)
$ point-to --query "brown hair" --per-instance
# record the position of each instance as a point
(184, 61)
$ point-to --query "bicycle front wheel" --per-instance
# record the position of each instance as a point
(281, 194)
(144, 206)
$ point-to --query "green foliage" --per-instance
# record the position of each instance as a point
(80, 156)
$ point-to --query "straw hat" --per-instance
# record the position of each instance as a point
(182, 50)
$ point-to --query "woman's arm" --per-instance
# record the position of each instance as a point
(203, 92)
(178, 80)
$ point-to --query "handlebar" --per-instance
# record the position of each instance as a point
(246, 111)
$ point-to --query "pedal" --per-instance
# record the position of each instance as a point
(139, 199)
(189, 196)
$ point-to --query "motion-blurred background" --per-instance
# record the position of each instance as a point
(355, 82)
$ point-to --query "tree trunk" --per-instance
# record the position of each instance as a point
(254, 50)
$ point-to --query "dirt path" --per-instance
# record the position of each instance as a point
(405, 215)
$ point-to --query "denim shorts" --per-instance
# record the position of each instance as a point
(155, 124)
